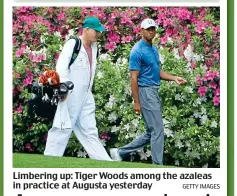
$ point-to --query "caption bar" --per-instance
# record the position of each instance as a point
(99, 180)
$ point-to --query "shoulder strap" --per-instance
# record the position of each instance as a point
(97, 54)
(76, 50)
(98, 46)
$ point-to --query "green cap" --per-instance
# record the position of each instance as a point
(93, 23)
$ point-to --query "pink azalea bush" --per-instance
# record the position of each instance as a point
(188, 41)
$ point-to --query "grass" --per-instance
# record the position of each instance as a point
(21, 160)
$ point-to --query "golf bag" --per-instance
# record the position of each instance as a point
(45, 98)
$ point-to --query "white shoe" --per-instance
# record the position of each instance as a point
(115, 155)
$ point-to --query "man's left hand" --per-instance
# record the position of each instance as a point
(180, 80)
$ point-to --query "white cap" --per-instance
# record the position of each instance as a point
(148, 23)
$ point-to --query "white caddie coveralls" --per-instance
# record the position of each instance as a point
(77, 111)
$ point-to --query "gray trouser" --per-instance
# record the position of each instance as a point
(154, 135)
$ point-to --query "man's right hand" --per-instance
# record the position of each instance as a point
(137, 108)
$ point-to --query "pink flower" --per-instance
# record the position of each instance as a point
(217, 74)
(216, 29)
(199, 80)
(125, 20)
(36, 42)
(57, 56)
(167, 22)
(194, 65)
(200, 27)
(28, 146)
(14, 40)
(19, 88)
(136, 29)
(216, 54)
(101, 16)
(42, 57)
(111, 21)
(209, 62)
(169, 32)
(29, 73)
(29, 79)
(155, 8)
(212, 84)
(19, 52)
(110, 46)
(126, 39)
(160, 18)
(113, 37)
(61, 16)
(19, 109)
(37, 57)
(51, 10)
(217, 92)
(23, 9)
(17, 75)
(140, 11)
(184, 14)
(209, 76)
(207, 49)
(15, 91)
(109, 27)
(124, 14)
(26, 29)
(115, 14)
(203, 12)
(164, 39)
(104, 136)
(202, 91)
(216, 100)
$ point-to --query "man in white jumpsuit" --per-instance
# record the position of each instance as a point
(77, 110)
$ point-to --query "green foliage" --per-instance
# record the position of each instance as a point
(22, 160)
(191, 140)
